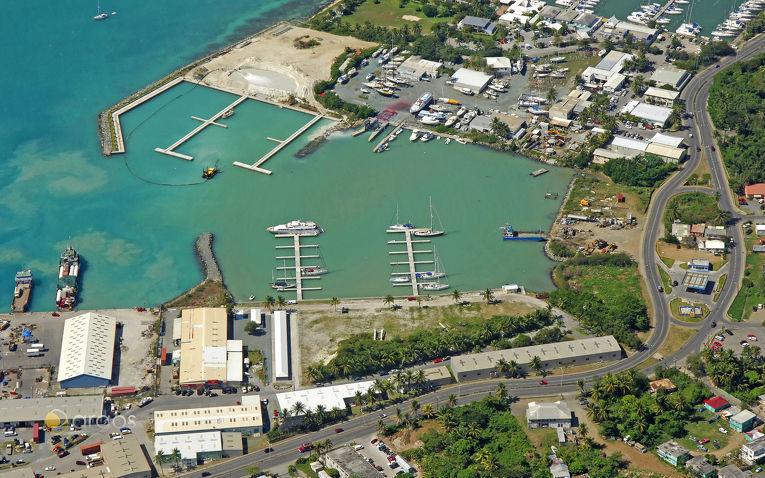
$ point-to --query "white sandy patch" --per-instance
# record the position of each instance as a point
(411, 18)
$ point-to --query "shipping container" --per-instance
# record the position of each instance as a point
(36, 433)
(163, 356)
(122, 391)
(37, 346)
(34, 353)
(90, 449)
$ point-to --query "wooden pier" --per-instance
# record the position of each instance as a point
(388, 136)
(256, 166)
(205, 123)
(663, 9)
(411, 262)
(298, 265)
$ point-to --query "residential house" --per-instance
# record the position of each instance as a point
(755, 191)
(701, 467)
(712, 245)
(544, 415)
(680, 230)
(663, 384)
(731, 471)
(673, 453)
(743, 421)
(753, 451)
(698, 230)
(716, 403)
(483, 25)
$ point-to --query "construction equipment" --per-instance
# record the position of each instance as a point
(584, 202)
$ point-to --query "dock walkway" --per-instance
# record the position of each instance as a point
(663, 9)
(282, 144)
(138, 101)
(411, 262)
(169, 151)
(298, 264)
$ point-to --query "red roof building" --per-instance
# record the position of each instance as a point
(755, 190)
(698, 230)
(716, 404)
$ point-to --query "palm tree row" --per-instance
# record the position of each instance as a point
(360, 355)
(270, 303)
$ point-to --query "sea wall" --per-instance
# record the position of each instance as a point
(206, 257)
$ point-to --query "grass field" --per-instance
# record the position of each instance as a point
(387, 13)
(583, 188)
(692, 208)
(610, 282)
(665, 279)
(676, 303)
(748, 297)
(701, 429)
(668, 262)
(719, 286)
(676, 338)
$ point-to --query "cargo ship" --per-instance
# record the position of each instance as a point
(508, 234)
(23, 291)
(68, 274)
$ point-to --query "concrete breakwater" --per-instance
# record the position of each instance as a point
(204, 251)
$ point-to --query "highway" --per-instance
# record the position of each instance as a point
(695, 94)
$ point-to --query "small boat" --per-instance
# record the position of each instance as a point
(313, 271)
(466, 91)
(429, 120)
(663, 20)
(364, 90)
(429, 232)
(296, 227)
(281, 285)
(496, 88)
(398, 226)
(433, 286)
(400, 279)
(22, 291)
(209, 173)
(447, 141)
(415, 134)
(385, 91)
(461, 140)
(461, 111)
(508, 234)
(421, 103)
(252, 297)
(100, 15)
(228, 113)
(427, 136)
(457, 125)
(451, 120)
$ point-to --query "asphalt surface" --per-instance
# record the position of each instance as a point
(695, 94)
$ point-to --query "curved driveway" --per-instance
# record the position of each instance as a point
(695, 94)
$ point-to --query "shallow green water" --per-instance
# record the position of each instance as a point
(351, 192)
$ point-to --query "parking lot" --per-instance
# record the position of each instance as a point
(378, 457)
(737, 339)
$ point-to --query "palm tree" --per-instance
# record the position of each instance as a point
(481, 456)
(488, 295)
(536, 363)
(502, 391)
(428, 411)
(552, 95)
(358, 398)
(327, 444)
(281, 302)
(580, 387)
(334, 302)
(414, 406)
(583, 431)
(388, 300)
(160, 458)
(176, 456)
(637, 84)
(456, 296)
(298, 408)
(269, 302)
(502, 366)
(513, 368)
(399, 416)
(451, 400)
(380, 425)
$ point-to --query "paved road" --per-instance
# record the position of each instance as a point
(695, 94)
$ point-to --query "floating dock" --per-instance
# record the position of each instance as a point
(539, 172)
(205, 123)
(298, 267)
(388, 136)
(411, 262)
(663, 9)
(256, 166)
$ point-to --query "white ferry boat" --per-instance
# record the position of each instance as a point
(421, 103)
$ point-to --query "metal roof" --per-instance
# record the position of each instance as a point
(189, 444)
(281, 345)
(666, 139)
(36, 409)
(665, 151)
(203, 344)
(125, 457)
(548, 411)
(328, 397)
(225, 417)
(653, 113)
(696, 280)
(665, 76)
(614, 61)
(629, 143)
(661, 93)
(467, 78)
(87, 346)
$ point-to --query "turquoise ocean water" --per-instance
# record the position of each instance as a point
(136, 238)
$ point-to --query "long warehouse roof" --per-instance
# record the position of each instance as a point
(87, 346)
(281, 345)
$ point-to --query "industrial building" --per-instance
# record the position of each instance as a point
(204, 347)
(564, 109)
(619, 30)
(281, 345)
(661, 96)
(349, 463)
(126, 458)
(246, 419)
(670, 77)
(415, 68)
(195, 448)
(332, 397)
(87, 351)
(52, 411)
(553, 355)
(475, 81)
(548, 415)
(651, 114)
(437, 376)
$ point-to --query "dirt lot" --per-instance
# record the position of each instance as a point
(684, 254)
(603, 196)
(321, 328)
(274, 50)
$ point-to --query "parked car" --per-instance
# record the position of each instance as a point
(543, 382)
(305, 447)
(704, 440)
(722, 430)
(338, 430)
(752, 337)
